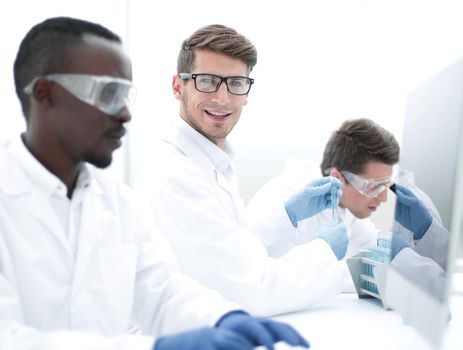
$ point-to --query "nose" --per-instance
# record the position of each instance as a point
(124, 115)
(221, 96)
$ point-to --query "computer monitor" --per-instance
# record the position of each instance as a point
(432, 148)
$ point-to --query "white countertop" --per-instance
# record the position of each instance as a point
(347, 322)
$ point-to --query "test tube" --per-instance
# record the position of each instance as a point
(334, 206)
(334, 214)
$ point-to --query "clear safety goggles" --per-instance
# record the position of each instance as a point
(108, 94)
(368, 188)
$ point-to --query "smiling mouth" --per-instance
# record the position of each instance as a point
(217, 115)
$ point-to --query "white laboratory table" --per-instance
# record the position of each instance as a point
(347, 322)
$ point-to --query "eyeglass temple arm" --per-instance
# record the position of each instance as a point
(185, 76)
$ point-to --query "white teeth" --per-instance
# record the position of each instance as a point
(218, 114)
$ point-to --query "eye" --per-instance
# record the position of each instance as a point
(108, 92)
(236, 82)
(208, 79)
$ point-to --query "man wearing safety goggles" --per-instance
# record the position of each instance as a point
(80, 265)
(109, 94)
(361, 155)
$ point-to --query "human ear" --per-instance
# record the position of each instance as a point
(42, 92)
(337, 174)
(177, 86)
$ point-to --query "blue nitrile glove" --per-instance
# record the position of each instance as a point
(398, 243)
(336, 237)
(204, 339)
(313, 198)
(261, 331)
(411, 213)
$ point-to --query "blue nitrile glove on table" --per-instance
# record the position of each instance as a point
(336, 237)
(313, 198)
(204, 339)
(261, 331)
(398, 242)
(411, 213)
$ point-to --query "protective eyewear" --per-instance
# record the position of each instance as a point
(108, 94)
(209, 83)
(368, 188)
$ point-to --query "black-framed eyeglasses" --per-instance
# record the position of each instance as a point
(208, 83)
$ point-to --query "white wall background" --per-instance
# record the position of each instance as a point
(320, 62)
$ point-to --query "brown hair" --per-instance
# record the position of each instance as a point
(356, 143)
(220, 39)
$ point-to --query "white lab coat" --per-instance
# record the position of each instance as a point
(122, 281)
(204, 219)
(269, 220)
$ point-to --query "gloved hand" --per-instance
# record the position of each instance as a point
(261, 331)
(411, 213)
(336, 237)
(398, 243)
(204, 339)
(313, 198)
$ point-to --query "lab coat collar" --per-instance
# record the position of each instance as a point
(24, 192)
(220, 158)
(202, 150)
(16, 183)
(215, 163)
(30, 173)
(13, 181)
(36, 173)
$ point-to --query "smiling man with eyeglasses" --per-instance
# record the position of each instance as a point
(214, 94)
(191, 183)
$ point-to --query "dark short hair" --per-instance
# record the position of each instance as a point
(356, 143)
(44, 50)
(220, 39)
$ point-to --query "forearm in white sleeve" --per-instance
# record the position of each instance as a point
(434, 244)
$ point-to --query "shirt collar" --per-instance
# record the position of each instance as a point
(41, 176)
(221, 159)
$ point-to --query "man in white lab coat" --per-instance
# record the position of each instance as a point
(80, 264)
(359, 147)
(361, 154)
(194, 194)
